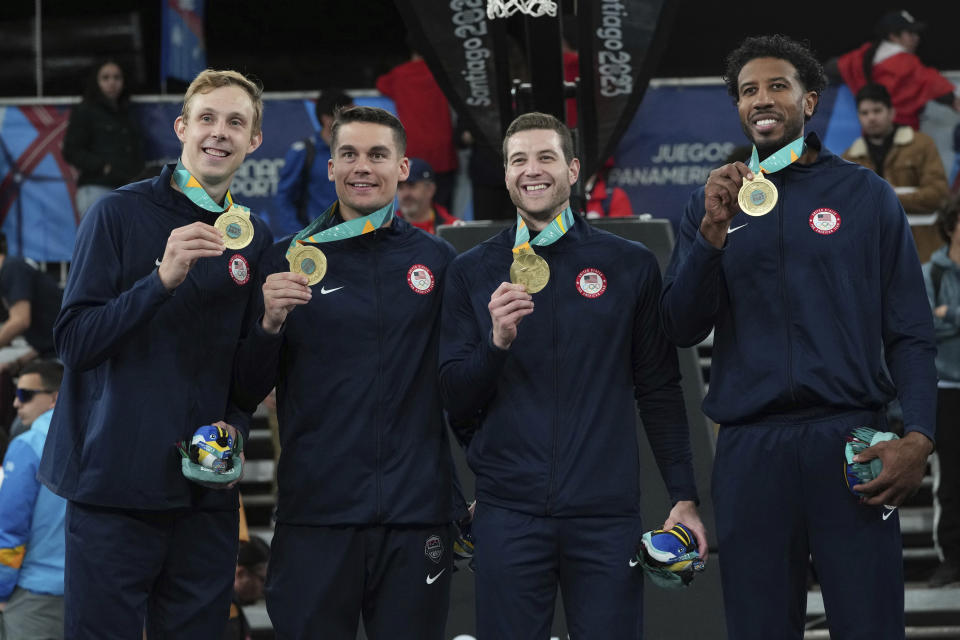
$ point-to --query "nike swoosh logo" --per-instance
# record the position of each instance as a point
(157, 262)
(632, 562)
(889, 513)
(324, 291)
(732, 229)
(431, 579)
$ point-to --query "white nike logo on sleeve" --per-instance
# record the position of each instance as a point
(324, 291)
(431, 579)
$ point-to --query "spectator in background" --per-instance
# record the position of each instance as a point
(32, 299)
(891, 60)
(102, 140)
(304, 190)
(942, 276)
(905, 158)
(252, 559)
(604, 201)
(416, 195)
(31, 518)
(425, 114)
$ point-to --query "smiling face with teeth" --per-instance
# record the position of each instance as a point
(365, 166)
(217, 135)
(773, 103)
(537, 175)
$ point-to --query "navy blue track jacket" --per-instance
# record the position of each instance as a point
(557, 410)
(807, 301)
(361, 424)
(144, 367)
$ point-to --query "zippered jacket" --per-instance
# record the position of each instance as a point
(557, 411)
(818, 308)
(362, 432)
(144, 367)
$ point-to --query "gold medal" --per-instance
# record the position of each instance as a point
(530, 270)
(309, 261)
(757, 197)
(235, 225)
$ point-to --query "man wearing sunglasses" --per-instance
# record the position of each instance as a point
(31, 517)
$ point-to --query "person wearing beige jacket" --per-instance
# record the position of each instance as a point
(905, 158)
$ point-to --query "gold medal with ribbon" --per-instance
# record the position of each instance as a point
(234, 220)
(759, 196)
(306, 258)
(529, 269)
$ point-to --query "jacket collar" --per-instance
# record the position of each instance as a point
(902, 136)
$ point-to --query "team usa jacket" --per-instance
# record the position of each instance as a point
(144, 367)
(557, 411)
(818, 308)
(362, 432)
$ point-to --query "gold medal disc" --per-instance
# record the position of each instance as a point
(757, 197)
(531, 271)
(309, 261)
(236, 228)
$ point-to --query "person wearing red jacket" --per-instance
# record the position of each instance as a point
(425, 114)
(891, 61)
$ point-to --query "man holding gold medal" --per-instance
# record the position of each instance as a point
(348, 335)
(554, 365)
(152, 315)
(804, 267)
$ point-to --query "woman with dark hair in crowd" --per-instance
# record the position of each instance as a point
(102, 140)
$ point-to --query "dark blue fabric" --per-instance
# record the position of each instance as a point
(322, 579)
(804, 322)
(144, 367)
(521, 559)
(558, 410)
(173, 568)
(20, 281)
(361, 425)
(779, 497)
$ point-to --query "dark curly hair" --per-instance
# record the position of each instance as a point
(799, 54)
(947, 217)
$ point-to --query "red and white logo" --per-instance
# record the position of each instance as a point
(420, 279)
(825, 221)
(239, 269)
(591, 283)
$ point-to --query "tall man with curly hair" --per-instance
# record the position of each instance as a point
(820, 319)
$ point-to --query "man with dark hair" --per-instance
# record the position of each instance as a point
(415, 195)
(152, 315)
(365, 476)
(252, 560)
(555, 452)
(304, 191)
(32, 299)
(31, 517)
(905, 158)
(942, 276)
(891, 61)
(804, 303)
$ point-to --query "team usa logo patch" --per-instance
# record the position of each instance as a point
(591, 283)
(420, 279)
(825, 221)
(239, 269)
(433, 548)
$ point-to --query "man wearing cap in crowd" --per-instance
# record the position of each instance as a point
(891, 61)
(416, 199)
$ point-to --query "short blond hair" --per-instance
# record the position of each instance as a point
(210, 79)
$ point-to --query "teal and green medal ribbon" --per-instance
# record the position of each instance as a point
(309, 260)
(234, 220)
(528, 268)
(757, 197)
